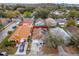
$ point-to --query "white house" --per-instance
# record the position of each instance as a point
(57, 12)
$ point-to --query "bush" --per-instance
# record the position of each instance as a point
(78, 25)
(9, 43)
(71, 22)
(9, 32)
(1, 25)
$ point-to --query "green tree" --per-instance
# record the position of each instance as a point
(9, 43)
(54, 41)
(11, 14)
(1, 25)
(9, 32)
(27, 14)
(73, 13)
(56, 16)
(71, 22)
(41, 13)
(2, 14)
(53, 16)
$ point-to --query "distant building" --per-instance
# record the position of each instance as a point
(39, 22)
(57, 12)
(5, 21)
(77, 21)
(61, 22)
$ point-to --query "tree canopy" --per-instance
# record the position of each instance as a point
(41, 13)
(71, 22)
(10, 14)
(27, 14)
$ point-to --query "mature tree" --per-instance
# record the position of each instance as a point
(41, 13)
(16, 12)
(27, 14)
(9, 43)
(21, 10)
(2, 14)
(56, 16)
(71, 22)
(10, 14)
(53, 16)
(73, 13)
(1, 25)
(30, 9)
(53, 41)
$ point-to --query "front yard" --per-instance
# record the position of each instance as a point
(8, 46)
(9, 49)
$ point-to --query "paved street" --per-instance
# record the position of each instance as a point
(3, 33)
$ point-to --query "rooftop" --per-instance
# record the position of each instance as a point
(22, 31)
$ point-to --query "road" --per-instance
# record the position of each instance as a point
(3, 33)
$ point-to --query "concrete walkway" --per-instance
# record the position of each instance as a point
(36, 48)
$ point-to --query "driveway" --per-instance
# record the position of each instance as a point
(21, 53)
(36, 47)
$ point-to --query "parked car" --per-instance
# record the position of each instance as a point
(22, 47)
(14, 27)
(3, 54)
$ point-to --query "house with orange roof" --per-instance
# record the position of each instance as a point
(22, 31)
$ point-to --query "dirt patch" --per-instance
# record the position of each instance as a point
(71, 50)
(48, 50)
(37, 34)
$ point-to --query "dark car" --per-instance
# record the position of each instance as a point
(1, 54)
(14, 27)
(22, 47)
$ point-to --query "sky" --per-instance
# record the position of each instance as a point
(40, 1)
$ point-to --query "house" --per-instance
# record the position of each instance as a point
(22, 31)
(56, 12)
(77, 21)
(5, 21)
(61, 22)
(39, 22)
